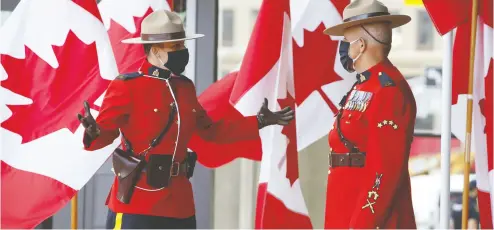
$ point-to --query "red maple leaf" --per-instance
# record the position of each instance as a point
(314, 65)
(290, 131)
(340, 5)
(129, 57)
(57, 93)
(89, 6)
(486, 109)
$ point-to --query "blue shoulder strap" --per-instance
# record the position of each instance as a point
(128, 76)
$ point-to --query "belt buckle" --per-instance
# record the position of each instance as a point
(178, 168)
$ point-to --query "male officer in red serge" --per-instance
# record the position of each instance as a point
(158, 101)
(368, 179)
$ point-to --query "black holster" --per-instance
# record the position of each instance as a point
(191, 160)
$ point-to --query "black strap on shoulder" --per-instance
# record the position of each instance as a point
(171, 117)
(349, 145)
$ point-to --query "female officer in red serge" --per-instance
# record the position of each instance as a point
(368, 179)
(157, 111)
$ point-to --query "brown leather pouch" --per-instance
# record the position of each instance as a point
(128, 169)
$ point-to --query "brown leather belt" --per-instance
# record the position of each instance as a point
(177, 169)
(346, 159)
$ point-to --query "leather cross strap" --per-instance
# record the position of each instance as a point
(349, 145)
(347, 160)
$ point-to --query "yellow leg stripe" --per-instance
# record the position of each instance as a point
(118, 221)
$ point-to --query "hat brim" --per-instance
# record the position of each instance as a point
(139, 40)
(395, 20)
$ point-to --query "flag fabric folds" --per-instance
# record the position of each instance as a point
(55, 54)
(457, 17)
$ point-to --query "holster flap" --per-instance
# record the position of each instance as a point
(124, 163)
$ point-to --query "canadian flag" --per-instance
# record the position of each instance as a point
(290, 62)
(54, 55)
(458, 15)
(123, 19)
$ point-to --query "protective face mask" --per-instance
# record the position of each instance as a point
(177, 61)
(347, 62)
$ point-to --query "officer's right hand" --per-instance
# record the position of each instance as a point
(88, 122)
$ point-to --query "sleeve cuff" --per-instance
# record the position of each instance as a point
(253, 125)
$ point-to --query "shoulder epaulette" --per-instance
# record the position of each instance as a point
(128, 76)
(385, 80)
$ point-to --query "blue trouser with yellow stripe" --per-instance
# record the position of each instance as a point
(134, 221)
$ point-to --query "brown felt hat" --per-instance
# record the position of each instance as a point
(161, 26)
(361, 12)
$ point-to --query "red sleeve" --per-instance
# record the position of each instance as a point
(225, 131)
(387, 154)
(113, 115)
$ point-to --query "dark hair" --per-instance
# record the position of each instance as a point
(147, 48)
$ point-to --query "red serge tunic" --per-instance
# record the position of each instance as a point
(378, 117)
(138, 105)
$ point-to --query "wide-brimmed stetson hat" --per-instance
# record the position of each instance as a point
(161, 26)
(366, 11)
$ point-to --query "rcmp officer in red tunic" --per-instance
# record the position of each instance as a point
(156, 111)
(368, 179)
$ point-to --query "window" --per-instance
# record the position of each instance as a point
(9, 5)
(253, 16)
(425, 31)
(227, 35)
(426, 123)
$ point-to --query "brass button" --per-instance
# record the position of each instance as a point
(193, 110)
(155, 110)
(118, 174)
(160, 167)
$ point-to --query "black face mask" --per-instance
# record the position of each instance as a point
(177, 60)
(345, 59)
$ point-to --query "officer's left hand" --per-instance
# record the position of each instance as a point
(265, 117)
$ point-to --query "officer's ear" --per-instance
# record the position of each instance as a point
(362, 45)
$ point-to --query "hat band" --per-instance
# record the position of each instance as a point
(365, 16)
(163, 36)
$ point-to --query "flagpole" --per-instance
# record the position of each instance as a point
(446, 90)
(73, 212)
(468, 136)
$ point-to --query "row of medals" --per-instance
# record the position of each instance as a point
(358, 101)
